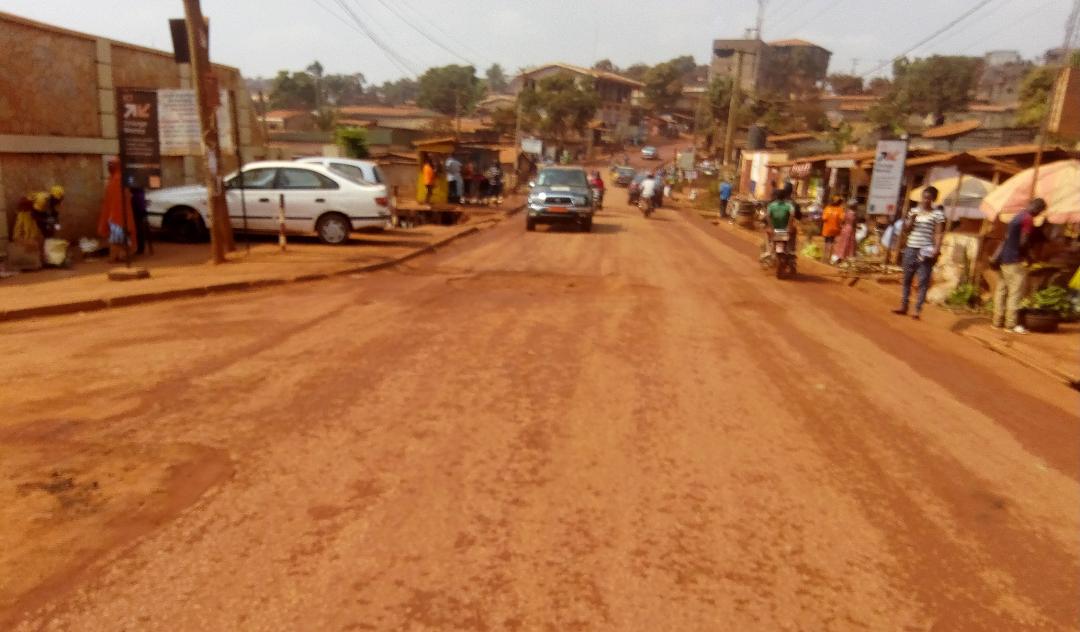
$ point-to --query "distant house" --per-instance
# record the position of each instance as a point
(970, 135)
(616, 92)
(1003, 73)
(766, 66)
(288, 120)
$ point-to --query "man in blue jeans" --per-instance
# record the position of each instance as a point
(925, 229)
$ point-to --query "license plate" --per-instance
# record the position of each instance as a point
(557, 209)
(780, 248)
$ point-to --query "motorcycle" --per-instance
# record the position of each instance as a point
(646, 205)
(598, 197)
(779, 254)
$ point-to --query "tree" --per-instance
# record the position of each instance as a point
(935, 85)
(684, 65)
(663, 85)
(558, 105)
(496, 79)
(292, 91)
(636, 72)
(344, 89)
(353, 141)
(397, 92)
(845, 84)
(1035, 93)
(450, 90)
(879, 86)
(605, 65)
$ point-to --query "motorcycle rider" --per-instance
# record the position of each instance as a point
(648, 191)
(780, 215)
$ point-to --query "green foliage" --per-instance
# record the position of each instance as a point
(353, 141)
(342, 90)
(636, 72)
(1035, 96)
(450, 90)
(845, 84)
(496, 79)
(811, 251)
(292, 91)
(605, 65)
(963, 296)
(663, 85)
(1053, 299)
(325, 118)
(841, 136)
(935, 85)
(559, 104)
(403, 90)
(879, 86)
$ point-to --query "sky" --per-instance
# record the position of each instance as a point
(263, 36)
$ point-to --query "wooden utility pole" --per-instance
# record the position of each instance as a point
(736, 86)
(208, 98)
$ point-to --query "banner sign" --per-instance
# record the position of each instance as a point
(178, 113)
(137, 128)
(888, 177)
(532, 146)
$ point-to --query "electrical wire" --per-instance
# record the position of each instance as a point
(821, 13)
(785, 21)
(393, 56)
(449, 37)
(389, 7)
(936, 34)
(1009, 24)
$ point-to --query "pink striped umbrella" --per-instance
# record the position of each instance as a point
(1058, 183)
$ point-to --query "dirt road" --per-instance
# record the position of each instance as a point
(633, 429)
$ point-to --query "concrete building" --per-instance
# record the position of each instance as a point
(58, 115)
(616, 92)
(789, 66)
(288, 120)
(1003, 73)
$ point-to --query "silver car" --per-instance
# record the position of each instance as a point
(316, 200)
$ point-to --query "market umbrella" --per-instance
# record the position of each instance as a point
(971, 190)
(1058, 183)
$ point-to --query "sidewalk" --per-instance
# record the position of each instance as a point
(1056, 355)
(183, 270)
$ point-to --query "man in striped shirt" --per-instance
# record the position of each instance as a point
(925, 229)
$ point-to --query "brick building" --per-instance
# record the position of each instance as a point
(786, 66)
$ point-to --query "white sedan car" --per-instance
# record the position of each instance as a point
(317, 200)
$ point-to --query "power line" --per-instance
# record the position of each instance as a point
(798, 11)
(934, 35)
(434, 25)
(394, 58)
(1028, 13)
(389, 7)
(820, 13)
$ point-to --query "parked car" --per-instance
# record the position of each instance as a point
(623, 176)
(317, 200)
(560, 195)
(366, 171)
(649, 152)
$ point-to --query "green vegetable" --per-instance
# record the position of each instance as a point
(1053, 299)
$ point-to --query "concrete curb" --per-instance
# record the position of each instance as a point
(93, 305)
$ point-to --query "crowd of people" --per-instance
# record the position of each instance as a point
(467, 183)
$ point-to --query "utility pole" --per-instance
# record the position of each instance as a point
(760, 18)
(736, 87)
(854, 65)
(208, 98)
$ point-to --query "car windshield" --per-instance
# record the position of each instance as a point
(562, 178)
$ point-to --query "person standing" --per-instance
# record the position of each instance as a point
(116, 223)
(832, 218)
(428, 178)
(1012, 274)
(453, 180)
(844, 248)
(925, 228)
(725, 196)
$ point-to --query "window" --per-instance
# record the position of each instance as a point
(303, 179)
(254, 179)
(563, 177)
(351, 172)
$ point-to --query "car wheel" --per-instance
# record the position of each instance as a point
(333, 228)
(530, 225)
(184, 224)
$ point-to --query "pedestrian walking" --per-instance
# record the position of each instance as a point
(1010, 259)
(494, 177)
(925, 229)
(725, 197)
(453, 180)
(832, 219)
(116, 223)
(476, 183)
(844, 248)
(428, 176)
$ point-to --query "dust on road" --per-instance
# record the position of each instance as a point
(627, 430)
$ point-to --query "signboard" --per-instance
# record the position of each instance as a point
(178, 115)
(532, 146)
(888, 177)
(137, 129)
